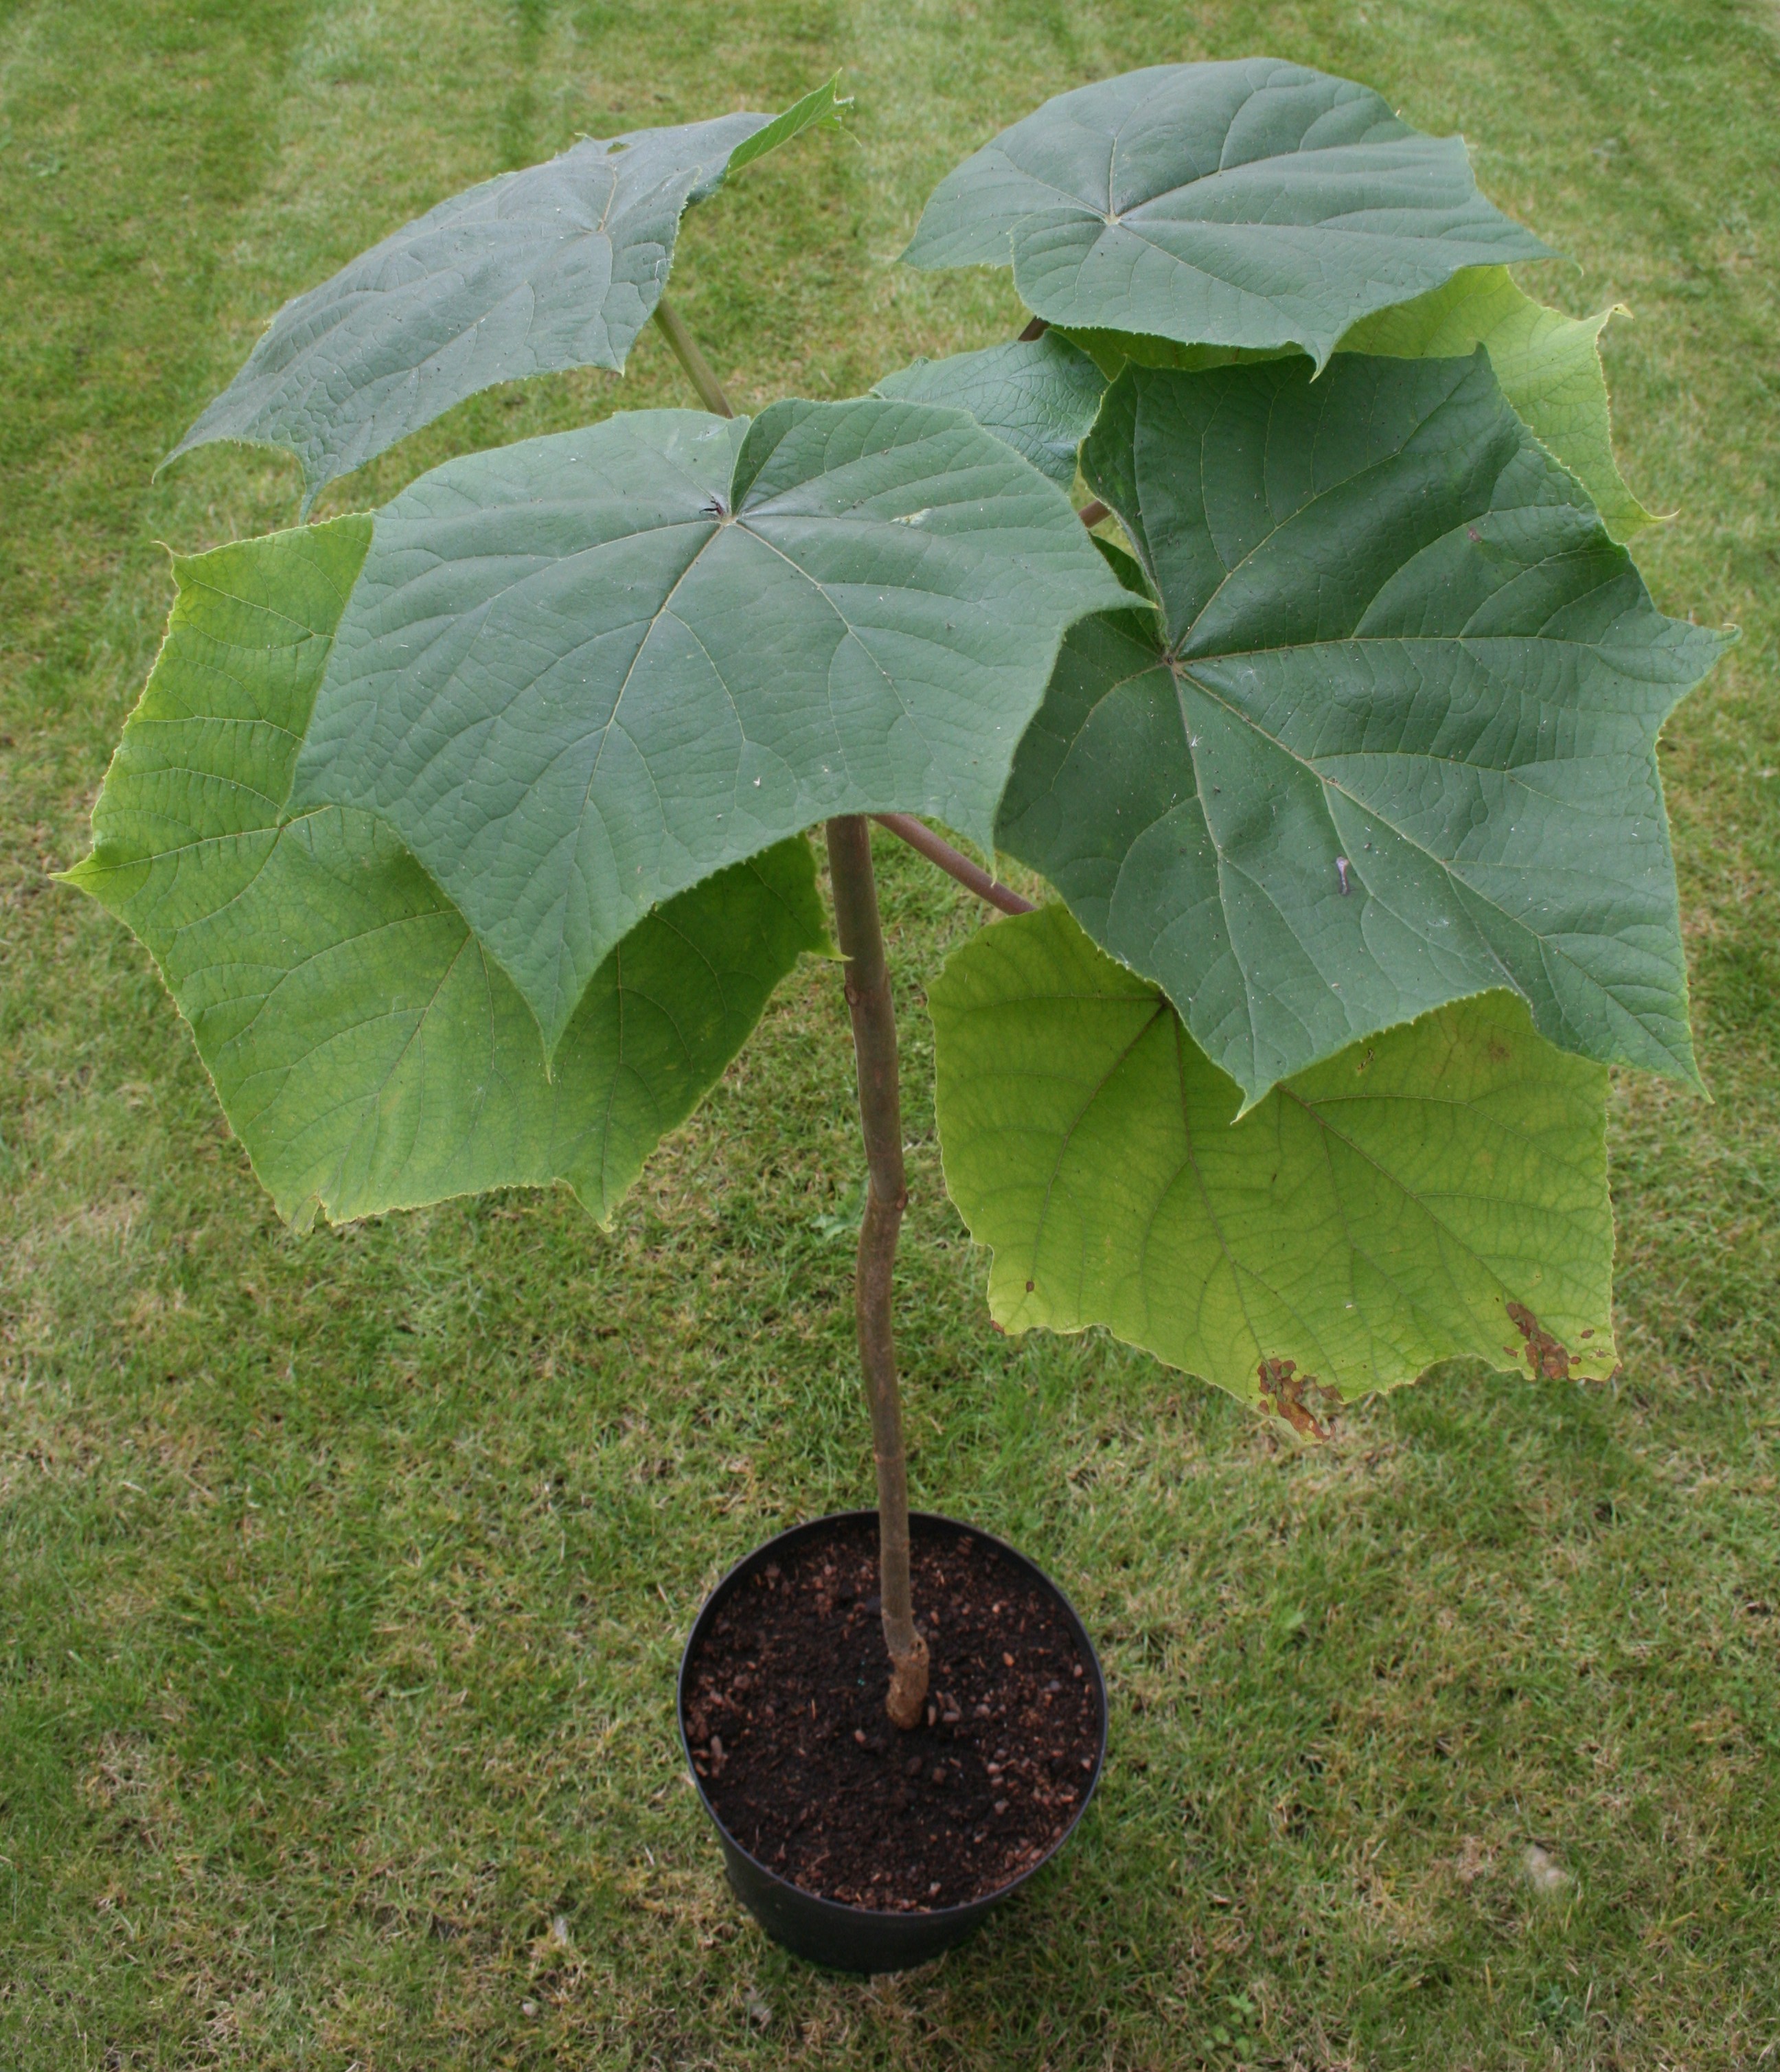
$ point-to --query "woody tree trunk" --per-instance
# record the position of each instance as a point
(881, 1117)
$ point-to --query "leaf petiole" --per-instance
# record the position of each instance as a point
(921, 837)
(699, 371)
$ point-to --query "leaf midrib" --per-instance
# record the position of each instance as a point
(1447, 868)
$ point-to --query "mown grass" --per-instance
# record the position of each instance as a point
(342, 1580)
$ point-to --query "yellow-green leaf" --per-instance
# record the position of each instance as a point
(1438, 1190)
(1548, 365)
(366, 1052)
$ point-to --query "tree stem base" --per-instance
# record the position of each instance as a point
(908, 1689)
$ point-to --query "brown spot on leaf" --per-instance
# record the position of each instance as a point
(1547, 1360)
(1284, 1392)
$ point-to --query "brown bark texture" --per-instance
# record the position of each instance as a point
(868, 1002)
(921, 837)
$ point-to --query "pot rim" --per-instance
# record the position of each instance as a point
(731, 1579)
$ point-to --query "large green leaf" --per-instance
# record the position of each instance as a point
(559, 265)
(1038, 394)
(368, 1053)
(580, 673)
(1548, 364)
(1436, 1191)
(1391, 742)
(1251, 203)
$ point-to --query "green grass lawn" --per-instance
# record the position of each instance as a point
(343, 1578)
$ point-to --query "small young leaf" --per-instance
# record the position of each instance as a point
(1436, 1191)
(580, 673)
(1392, 740)
(560, 265)
(1548, 364)
(1249, 204)
(368, 1053)
(820, 108)
(1038, 394)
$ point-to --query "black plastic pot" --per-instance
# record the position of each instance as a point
(855, 1939)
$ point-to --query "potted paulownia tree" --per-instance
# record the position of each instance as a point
(1268, 598)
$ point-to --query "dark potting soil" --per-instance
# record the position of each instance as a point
(785, 1716)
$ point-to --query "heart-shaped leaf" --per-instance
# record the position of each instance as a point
(580, 673)
(1249, 203)
(368, 1052)
(560, 265)
(1038, 394)
(1437, 1192)
(1391, 741)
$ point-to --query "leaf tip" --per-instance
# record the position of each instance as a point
(822, 107)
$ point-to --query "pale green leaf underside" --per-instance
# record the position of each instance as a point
(1548, 365)
(1038, 394)
(368, 1053)
(1249, 204)
(559, 265)
(581, 673)
(1438, 1191)
(1393, 741)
